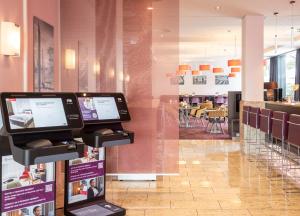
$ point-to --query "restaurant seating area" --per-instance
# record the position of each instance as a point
(207, 119)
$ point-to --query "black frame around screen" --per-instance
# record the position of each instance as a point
(123, 118)
(63, 96)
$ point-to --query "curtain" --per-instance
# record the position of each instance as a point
(274, 69)
(281, 74)
(297, 77)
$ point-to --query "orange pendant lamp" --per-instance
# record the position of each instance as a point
(218, 70)
(232, 75)
(234, 62)
(195, 72)
(204, 67)
(235, 69)
(184, 67)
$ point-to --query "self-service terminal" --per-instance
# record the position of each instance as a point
(36, 132)
(103, 114)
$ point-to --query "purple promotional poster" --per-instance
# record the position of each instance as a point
(86, 176)
(27, 190)
(88, 109)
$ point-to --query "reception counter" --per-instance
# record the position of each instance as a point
(290, 108)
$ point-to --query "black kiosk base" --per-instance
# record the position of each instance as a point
(103, 114)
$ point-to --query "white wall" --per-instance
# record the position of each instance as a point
(210, 88)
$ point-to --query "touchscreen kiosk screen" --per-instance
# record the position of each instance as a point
(98, 108)
(35, 112)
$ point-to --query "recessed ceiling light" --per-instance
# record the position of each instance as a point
(218, 7)
(150, 8)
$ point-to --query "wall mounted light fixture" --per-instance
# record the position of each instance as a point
(70, 59)
(10, 39)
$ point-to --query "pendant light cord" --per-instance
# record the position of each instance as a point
(292, 3)
(276, 36)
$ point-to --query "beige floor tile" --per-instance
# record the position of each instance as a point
(202, 212)
(272, 212)
(208, 204)
(170, 212)
(149, 204)
(131, 212)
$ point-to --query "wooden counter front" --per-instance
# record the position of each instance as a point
(290, 108)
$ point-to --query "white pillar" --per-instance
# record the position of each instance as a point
(252, 58)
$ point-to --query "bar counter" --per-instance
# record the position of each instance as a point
(290, 108)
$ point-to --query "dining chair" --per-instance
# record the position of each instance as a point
(215, 118)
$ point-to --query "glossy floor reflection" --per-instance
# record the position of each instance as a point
(214, 179)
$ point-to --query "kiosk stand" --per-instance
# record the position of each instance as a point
(36, 132)
(103, 114)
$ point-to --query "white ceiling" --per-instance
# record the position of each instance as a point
(206, 32)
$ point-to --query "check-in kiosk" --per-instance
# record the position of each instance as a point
(36, 132)
(103, 114)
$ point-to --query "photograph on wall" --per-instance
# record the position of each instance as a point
(43, 51)
(221, 80)
(199, 80)
(86, 176)
(27, 190)
(181, 80)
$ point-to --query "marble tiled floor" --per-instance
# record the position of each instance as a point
(214, 179)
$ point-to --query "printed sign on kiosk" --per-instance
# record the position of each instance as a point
(103, 114)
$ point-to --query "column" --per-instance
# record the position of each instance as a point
(252, 58)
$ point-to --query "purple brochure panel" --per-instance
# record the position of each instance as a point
(27, 190)
(86, 176)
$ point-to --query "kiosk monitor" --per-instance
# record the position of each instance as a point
(103, 107)
(33, 112)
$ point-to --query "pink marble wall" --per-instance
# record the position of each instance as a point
(11, 72)
(133, 58)
(78, 33)
(106, 44)
(48, 11)
(151, 98)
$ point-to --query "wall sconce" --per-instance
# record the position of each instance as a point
(96, 67)
(70, 59)
(10, 39)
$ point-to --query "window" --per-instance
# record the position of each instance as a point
(267, 70)
(290, 68)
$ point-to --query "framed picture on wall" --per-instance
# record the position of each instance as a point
(181, 80)
(199, 80)
(177, 80)
(221, 80)
(43, 56)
